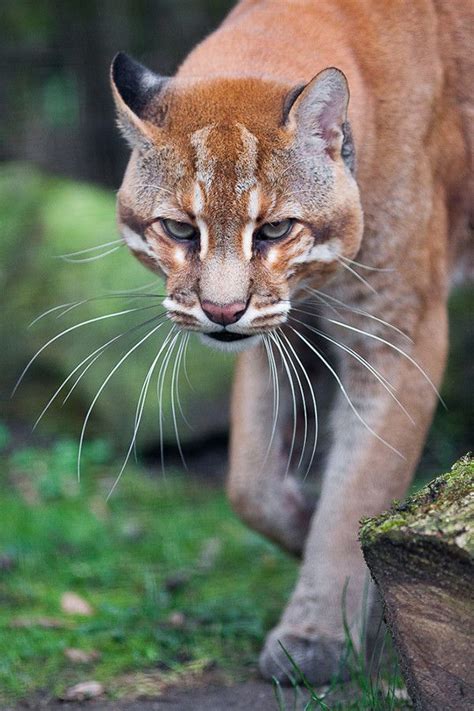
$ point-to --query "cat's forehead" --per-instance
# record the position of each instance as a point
(192, 105)
(225, 157)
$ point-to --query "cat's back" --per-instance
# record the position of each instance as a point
(290, 40)
(409, 66)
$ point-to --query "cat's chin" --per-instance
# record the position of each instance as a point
(217, 342)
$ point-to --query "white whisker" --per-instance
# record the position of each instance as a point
(173, 407)
(185, 367)
(182, 356)
(94, 355)
(89, 249)
(276, 394)
(381, 379)
(357, 276)
(138, 417)
(360, 311)
(69, 330)
(395, 348)
(159, 389)
(90, 259)
(303, 399)
(49, 311)
(366, 266)
(293, 398)
(135, 289)
(313, 398)
(79, 378)
(345, 394)
(133, 297)
(100, 390)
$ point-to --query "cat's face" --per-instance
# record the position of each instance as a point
(239, 192)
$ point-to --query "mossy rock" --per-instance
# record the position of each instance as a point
(444, 509)
(42, 218)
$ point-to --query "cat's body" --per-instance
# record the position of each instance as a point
(230, 155)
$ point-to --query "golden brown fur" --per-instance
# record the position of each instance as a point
(244, 136)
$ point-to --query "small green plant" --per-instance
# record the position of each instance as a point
(372, 685)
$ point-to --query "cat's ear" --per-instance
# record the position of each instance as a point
(319, 109)
(135, 89)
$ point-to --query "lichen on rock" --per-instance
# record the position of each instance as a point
(444, 508)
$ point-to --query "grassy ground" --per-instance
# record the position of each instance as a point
(176, 583)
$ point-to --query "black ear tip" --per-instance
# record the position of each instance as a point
(121, 64)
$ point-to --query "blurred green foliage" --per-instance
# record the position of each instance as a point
(43, 218)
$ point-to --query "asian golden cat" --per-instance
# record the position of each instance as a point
(254, 183)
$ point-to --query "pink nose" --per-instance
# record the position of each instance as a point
(224, 314)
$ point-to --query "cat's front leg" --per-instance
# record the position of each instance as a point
(363, 475)
(264, 496)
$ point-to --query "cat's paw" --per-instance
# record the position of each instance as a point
(318, 658)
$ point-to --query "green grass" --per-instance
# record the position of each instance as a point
(178, 585)
(160, 546)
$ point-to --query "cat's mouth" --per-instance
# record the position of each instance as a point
(227, 336)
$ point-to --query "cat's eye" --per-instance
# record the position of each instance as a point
(274, 230)
(179, 230)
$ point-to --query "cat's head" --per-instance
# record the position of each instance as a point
(239, 191)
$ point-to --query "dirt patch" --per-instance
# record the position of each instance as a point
(249, 695)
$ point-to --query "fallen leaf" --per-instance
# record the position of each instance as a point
(73, 604)
(84, 690)
(176, 619)
(80, 656)
(132, 530)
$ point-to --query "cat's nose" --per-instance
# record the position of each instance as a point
(224, 314)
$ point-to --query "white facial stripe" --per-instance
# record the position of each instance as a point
(205, 161)
(281, 308)
(325, 253)
(247, 234)
(198, 206)
(172, 305)
(135, 242)
(247, 240)
(328, 252)
(254, 203)
(179, 255)
(193, 311)
(246, 166)
(198, 200)
(273, 255)
(203, 238)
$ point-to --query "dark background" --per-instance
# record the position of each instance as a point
(55, 58)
